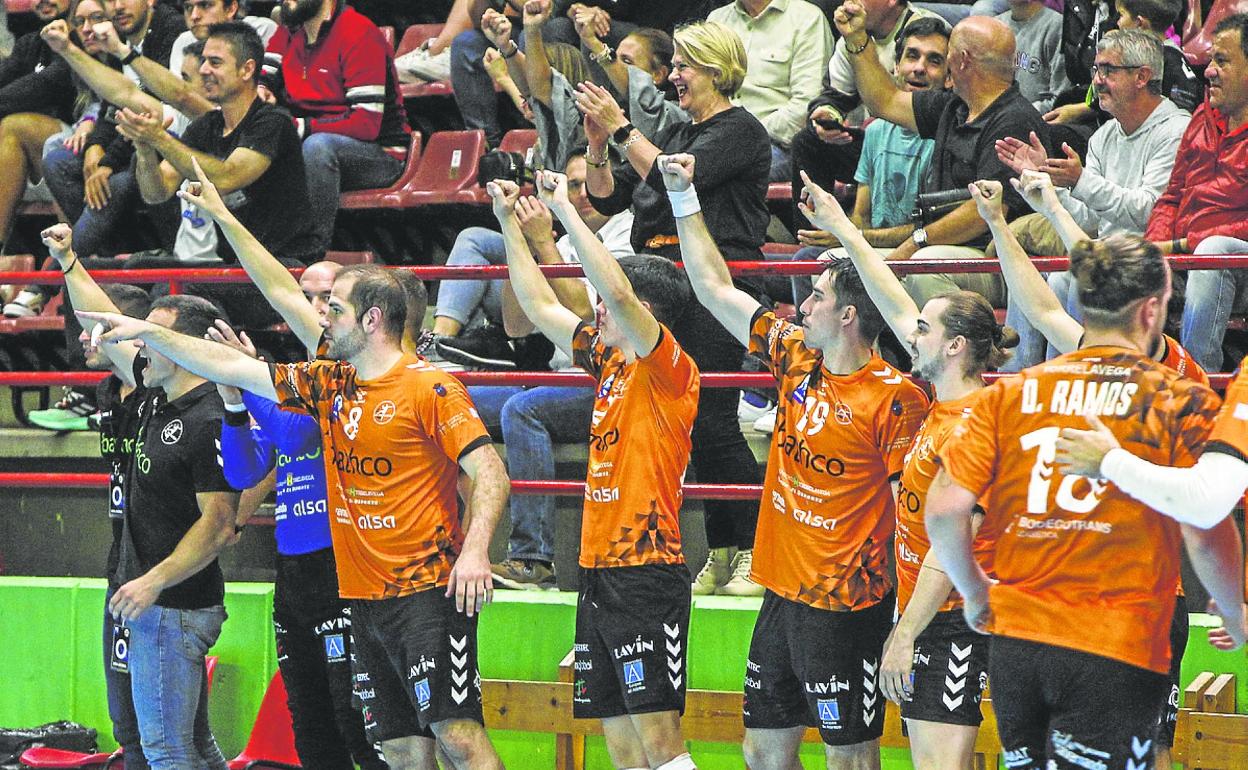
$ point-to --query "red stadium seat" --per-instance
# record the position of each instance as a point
(272, 740)
(387, 197)
(779, 191)
(413, 36)
(388, 34)
(523, 141)
(351, 257)
(36, 209)
(43, 758)
(448, 170)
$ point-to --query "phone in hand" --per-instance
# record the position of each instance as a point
(831, 124)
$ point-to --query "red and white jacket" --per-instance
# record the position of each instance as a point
(344, 83)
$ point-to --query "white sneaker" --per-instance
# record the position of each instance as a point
(26, 304)
(715, 572)
(766, 423)
(751, 407)
(740, 584)
(418, 65)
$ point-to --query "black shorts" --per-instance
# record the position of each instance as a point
(632, 629)
(1178, 646)
(1060, 708)
(817, 668)
(950, 671)
(415, 663)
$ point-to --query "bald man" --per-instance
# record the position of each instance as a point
(983, 106)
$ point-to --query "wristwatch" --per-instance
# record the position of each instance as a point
(622, 133)
(919, 236)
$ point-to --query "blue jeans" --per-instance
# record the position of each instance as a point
(532, 421)
(781, 164)
(1211, 295)
(120, 700)
(460, 300)
(474, 90)
(334, 163)
(167, 649)
(92, 227)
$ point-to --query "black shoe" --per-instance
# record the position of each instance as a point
(485, 347)
(533, 352)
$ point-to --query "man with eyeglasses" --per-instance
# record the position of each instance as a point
(1129, 161)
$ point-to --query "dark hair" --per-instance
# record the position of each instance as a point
(924, 26)
(658, 42)
(244, 42)
(192, 315)
(969, 316)
(1236, 21)
(417, 301)
(658, 281)
(196, 50)
(849, 291)
(1159, 14)
(130, 300)
(1113, 273)
(377, 287)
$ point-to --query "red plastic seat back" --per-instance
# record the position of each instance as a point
(416, 34)
(386, 197)
(448, 168)
(1198, 33)
(351, 257)
(388, 34)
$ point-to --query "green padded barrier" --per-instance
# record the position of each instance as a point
(50, 661)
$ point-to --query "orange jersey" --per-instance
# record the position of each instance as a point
(638, 451)
(1080, 564)
(827, 507)
(1178, 359)
(1230, 432)
(912, 543)
(392, 447)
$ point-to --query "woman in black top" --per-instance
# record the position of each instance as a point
(707, 69)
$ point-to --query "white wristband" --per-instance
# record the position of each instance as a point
(684, 202)
(239, 407)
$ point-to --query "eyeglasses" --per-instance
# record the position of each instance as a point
(93, 19)
(1105, 70)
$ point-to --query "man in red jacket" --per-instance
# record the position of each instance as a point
(331, 67)
(1204, 209)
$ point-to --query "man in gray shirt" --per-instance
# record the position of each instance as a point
(1039, 67)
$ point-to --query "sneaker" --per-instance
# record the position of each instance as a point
(72, 412)
(766, 423)
(533, 352)
(486, 347)
(418, 65)
(525, 575)
(26, 304)
(740, 583)
(715, 572)
(752, 406)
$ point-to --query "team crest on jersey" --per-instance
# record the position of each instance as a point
(843, 414)
(799, 393)
(384, 412)
(896, 407)
(606, 386)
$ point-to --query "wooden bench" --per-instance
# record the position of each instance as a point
(1210, 735)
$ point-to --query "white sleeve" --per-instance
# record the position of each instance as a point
(1201, 495)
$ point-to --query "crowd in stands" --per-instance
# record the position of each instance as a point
(991, 132)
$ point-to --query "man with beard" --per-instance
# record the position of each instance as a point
(330, 66)
(396, 431)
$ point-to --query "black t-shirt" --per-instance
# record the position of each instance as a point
(733, 156)
(275, 207)
(966, 152)
(119, 429)
(177, 454)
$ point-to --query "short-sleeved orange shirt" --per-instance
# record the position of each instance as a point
(1230, 431)
(1178, 359)
(638, 451)
(912, 543)
(827, 508)
(392, 447)
(1080, 564)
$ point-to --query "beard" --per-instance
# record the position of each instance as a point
(302, 12)
(345, 348)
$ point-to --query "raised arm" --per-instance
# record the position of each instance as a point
(86, 294)
(273, 280)
(1027, 287)
(875, 84)
(536, 224)
(633, 318)
(583, 19)
(107, 83)
(705, 266)
(534, 294)
(201, 357)
(881, 283)
(165, 85)
(1037, 189)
